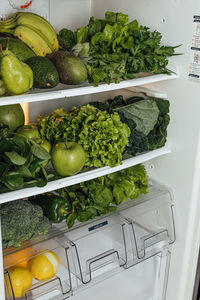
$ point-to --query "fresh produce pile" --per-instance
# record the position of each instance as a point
(88, 200)
(146, 117)
(114, 49)
(21, 221)
(102, 135)
(25, 54)
(106, 50)
(94, 135)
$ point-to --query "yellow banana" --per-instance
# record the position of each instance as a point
(41, 26)
(32, 39)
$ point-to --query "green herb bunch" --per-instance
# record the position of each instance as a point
(118, 49)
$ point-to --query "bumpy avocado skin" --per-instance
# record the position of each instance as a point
(70, 68)
(20, 49)
(44, 72)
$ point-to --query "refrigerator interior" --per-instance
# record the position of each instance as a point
(180, 169)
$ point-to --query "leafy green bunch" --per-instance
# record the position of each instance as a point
(21, 161)
(147, 118)
(102, 136)
(118, 49)
(100, 196)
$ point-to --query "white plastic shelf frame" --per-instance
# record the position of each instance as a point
(62, 90)
(140, 230)
(83, 176)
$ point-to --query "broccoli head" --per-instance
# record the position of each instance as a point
(21, 221)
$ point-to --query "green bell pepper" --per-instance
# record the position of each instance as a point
(54, 207)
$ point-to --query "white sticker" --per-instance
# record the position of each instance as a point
(194, 66)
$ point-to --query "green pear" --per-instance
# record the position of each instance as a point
(16, 75)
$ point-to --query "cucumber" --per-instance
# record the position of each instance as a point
(20, 49)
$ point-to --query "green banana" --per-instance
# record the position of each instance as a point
(32, 39)
(9, 21)
(39, 27)
(42, 26)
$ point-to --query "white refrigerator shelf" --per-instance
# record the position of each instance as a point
(63, 90)
(81, 177)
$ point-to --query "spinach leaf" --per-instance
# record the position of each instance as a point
(40, 152)
(15, 158)
(12, 180)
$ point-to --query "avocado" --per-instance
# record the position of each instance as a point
(70, 68)
(44, 72)
(19, 48)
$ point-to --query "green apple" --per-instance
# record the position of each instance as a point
(67, 158)
(30, 131)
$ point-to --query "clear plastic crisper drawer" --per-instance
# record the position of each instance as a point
(55, 288)
(151, 221)
(140, 230)
(97, 250)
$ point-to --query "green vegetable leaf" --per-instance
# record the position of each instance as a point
(71, 219)
(144, 113)
(12, 180)
(116, 17)
(123, 190)
(6, 146)
(101, 194)
(15, 158)
(41, 182)
(24, 171)
(40, 152)
(66, 39)
(82, 35)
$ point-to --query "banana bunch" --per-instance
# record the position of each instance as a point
(33, 30)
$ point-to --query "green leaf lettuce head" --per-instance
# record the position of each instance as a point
(102, 195)
(102, 135)
(118, 49)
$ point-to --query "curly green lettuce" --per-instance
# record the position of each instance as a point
(102, 135)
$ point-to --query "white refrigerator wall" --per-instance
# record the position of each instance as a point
(180, 169)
